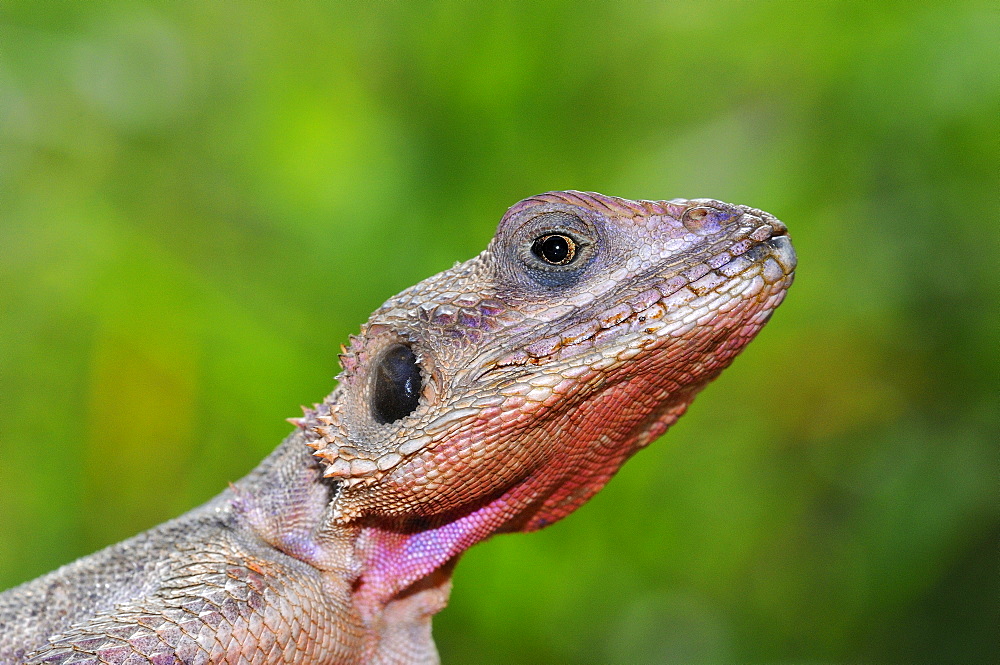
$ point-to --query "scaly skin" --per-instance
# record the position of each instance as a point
(536, 370)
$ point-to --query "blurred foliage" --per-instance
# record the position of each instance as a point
(200, 201)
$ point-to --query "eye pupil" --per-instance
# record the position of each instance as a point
(556, 249)
(396, 385)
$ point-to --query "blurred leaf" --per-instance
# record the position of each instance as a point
(199, 202)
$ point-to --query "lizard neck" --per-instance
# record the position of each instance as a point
(285, 501)
(395, 571)
(396, 575)
(288, 503)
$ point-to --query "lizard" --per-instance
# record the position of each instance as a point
(497, 396)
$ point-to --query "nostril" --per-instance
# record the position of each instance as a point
(705, 220)
(696, 214)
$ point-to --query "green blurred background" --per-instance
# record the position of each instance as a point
(200, 201)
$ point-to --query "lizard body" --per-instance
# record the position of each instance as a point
(497, 396)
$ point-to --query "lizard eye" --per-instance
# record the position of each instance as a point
(555, 249)
(396, 384)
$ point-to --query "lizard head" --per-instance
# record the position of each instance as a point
(523, 378)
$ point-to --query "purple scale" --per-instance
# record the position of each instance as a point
(445, 315)
(469, 318)
(491, 307)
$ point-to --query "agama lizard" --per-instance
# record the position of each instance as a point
(494, 397)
